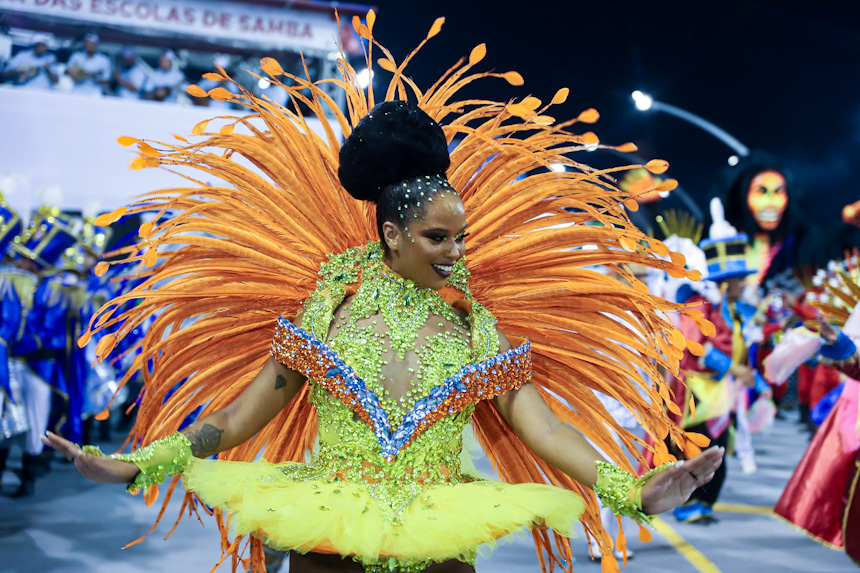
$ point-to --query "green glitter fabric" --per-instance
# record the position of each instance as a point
(621, 491)
(158, 461)
(402, 340)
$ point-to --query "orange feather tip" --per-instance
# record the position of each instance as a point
(145, 230)
(513, 78)
(561, 96)
(105, 345)
(627, 244)
(360, 28)
(477, 54)
(628, 147)
(699, 439)
(150, 258)
(631, 204)
(691, 450)
(106, 219)
(677, 259)
(196, 91)
(706, 327)
(103, 415)
(609, 566)
(147, 150)
(667, 185)
(138, 164)
(101, 268)
(644, 534)
(84, 339)
(695, 348)
(436, 27)
(589, 138)
(221, 94)
(657, 166)
(678, 340)
(692, 405)
(150, 495)
(588, 116)
(387, 65)
(135, 542)
(200, 127)
(126, 141)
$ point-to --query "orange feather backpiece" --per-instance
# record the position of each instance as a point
(222, 260)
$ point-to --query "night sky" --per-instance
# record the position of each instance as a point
(779, 76)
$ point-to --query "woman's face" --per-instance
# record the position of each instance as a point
(426, 253)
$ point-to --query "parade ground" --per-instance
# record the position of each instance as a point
(75, 526)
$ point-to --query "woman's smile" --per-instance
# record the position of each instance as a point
(427, 250)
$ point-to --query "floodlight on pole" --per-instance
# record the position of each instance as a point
(363, 78)
(642, 100)
(645, 102)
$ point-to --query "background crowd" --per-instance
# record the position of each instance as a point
(766, 290)
(87, 67)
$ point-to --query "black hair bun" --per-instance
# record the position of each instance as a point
(394, 142)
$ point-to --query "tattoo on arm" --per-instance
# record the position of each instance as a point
(280, 382)
(204, 442)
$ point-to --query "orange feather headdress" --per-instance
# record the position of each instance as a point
(222, 261)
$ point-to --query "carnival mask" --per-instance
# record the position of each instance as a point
(767, 199)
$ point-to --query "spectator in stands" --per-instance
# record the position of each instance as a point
(33, 68)
(89, 69)
(165, 81)
(131, 77)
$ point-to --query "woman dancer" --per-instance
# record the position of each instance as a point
(391, 354)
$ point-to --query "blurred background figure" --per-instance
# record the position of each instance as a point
(165, 81)
(89, 69)
(131, 76)
(36, 344)
(821, 496)
(33, 68)
(718, 379)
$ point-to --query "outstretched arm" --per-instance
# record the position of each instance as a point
(567, 450)
(551, 439)
(272, 389)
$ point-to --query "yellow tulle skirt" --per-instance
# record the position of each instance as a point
(426, 523)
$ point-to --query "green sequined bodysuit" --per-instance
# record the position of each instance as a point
(396, 373)
(402, 340)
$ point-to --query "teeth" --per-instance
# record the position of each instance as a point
(445, 268)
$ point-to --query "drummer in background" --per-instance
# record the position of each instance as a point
(89, 69)
(131, 75)
(33, 68)
(165, 81)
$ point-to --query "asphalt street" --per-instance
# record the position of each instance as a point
(75, 526)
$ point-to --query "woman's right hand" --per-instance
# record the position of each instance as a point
(743, 373)
(95, 468)
(826, 330)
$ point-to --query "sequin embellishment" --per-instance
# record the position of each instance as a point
(303, 352)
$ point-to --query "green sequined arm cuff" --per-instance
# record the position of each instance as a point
(158, 461)
(621, 491)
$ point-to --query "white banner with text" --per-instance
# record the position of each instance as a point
(277, 28)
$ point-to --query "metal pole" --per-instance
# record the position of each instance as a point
(739, 148)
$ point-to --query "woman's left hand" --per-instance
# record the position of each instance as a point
(670, 488)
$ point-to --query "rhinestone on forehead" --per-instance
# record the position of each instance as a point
(425, 187)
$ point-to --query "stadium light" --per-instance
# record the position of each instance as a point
(644, 102)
